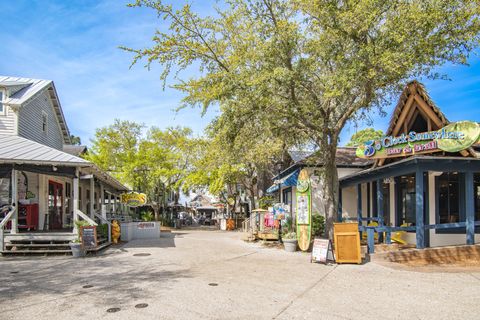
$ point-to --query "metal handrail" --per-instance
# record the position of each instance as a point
(2, 225)
(109, 225)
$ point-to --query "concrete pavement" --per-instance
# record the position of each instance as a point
(214, 275)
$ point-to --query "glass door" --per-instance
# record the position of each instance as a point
(55, 205)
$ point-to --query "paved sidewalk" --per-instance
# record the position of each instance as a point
(213, 275)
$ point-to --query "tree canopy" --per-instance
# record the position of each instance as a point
(307, 67)
(364, 135)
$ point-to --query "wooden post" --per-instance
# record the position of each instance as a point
(103, 209)
(419, 204)
(76, 193)
(340, 209)
(469, 208)
(379, 213)
(359, 203)
(92, 197)
(370, 240)
(14, 219)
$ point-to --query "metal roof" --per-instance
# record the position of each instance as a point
(15, 149)
(27, 89)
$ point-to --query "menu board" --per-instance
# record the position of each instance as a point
(322, 251)
(88, 235)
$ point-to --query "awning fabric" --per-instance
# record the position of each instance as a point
(287, 181)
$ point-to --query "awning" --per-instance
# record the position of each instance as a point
(287, 181)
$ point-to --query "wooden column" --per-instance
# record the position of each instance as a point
(469, 208)
(92, 197)
(340, 209)
(14, 219)
(379, 212)
(419, 204)
(359, 204)
(76, 193)
(103, 209)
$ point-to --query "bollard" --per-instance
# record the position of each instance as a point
(371, 240)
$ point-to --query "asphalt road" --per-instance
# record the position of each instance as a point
(214, 275)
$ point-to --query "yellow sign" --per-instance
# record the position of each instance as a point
(133, 199)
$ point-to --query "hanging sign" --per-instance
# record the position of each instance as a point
(133, 199)
(454, 137)
(322, 251)
(304, 204)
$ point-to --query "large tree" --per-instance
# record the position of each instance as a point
(309, 66)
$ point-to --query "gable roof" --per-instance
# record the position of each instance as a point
(22, 90)
(75, 150)
(415, 100)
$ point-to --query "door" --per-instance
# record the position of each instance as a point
(55, 205)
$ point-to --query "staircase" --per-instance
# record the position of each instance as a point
(24, 244)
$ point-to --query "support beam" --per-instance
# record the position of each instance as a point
(92, 197)
(14, 184)
(379, 212)
(359, 204)
(419, 204)
(339, 216)
(76, 194)
(103, 209)
(469, 208)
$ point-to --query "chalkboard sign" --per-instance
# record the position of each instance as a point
(88, 235)
(322, 251)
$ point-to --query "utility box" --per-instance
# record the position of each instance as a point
(347, 242)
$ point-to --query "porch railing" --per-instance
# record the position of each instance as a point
(86, 218)
(108, 223)
(3, 223)
(371, 230)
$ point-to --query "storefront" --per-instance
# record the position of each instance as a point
(425, 176)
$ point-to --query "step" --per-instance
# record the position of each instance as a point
(24, 252)
(36, 245)
(39, 236)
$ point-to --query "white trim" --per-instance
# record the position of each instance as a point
(3, 95)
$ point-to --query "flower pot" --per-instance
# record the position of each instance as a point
(77, 250)
(290, 245)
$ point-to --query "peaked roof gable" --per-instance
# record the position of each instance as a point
(416, 102)
(23, 90)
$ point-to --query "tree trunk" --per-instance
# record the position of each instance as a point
(330, 187)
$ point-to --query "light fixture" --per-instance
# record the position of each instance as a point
(54, 168)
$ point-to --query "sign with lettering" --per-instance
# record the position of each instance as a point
(322, 251)
(304, 204)
(146, 225)
(133, 199)
(454, 137)
(88, 236)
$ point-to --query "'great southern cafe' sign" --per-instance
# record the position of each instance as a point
(451, 138)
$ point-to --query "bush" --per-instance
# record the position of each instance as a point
(102, 230)
(146, 216)
(318, 225)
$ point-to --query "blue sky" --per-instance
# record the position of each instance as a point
(76, 45)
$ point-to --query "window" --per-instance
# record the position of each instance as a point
(448, 198)
(44, 121)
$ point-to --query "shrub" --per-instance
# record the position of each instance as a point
(318, 225)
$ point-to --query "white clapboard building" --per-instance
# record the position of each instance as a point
(44, 184)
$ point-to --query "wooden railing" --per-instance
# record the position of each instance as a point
(86, 218)
(109, 225)
(3, 223)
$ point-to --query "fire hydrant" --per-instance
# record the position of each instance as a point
(115, 231)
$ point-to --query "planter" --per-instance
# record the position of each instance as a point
(290, 245)
(77, 250)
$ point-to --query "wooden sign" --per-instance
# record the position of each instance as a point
(88, 236)
(347, 242)
(322, 251)
(304, 209)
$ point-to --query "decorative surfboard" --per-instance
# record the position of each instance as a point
(304, 208)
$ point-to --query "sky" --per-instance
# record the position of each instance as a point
(75, 44)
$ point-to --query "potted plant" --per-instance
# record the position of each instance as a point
(76, 244)
(289, 237)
